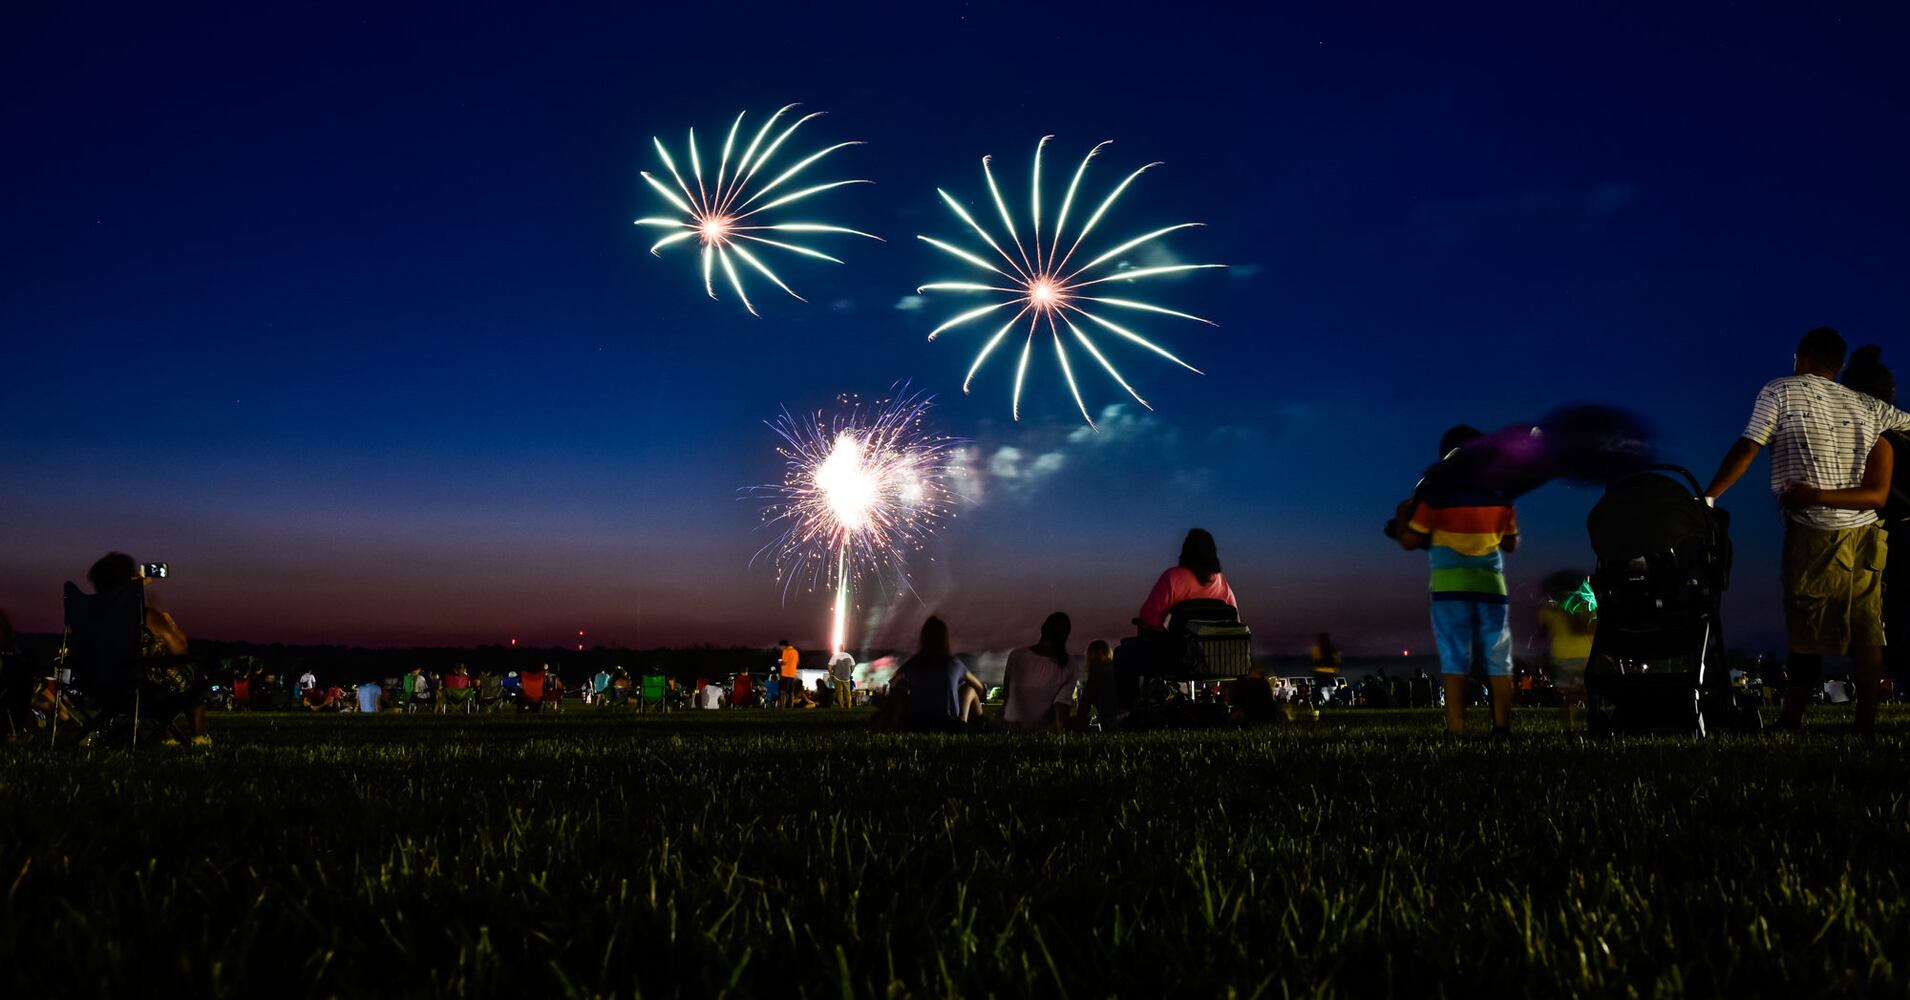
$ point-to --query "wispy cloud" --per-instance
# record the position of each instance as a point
(1020, 470)
(911, 303)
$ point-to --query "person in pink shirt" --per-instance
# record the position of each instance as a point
(1196, 577)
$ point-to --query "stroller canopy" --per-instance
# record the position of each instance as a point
(1646, 514)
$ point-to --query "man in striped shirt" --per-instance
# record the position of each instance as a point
(1465, 535)
(1821, 434)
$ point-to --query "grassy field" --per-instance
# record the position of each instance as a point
(756, 853)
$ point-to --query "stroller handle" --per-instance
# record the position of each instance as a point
(1696, 490)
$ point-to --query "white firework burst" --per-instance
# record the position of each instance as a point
(725, 215)
(1048, 288)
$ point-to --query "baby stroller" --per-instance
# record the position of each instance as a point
(1204, 641)
(1664, 561)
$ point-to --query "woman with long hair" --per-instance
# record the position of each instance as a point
(1097, 688)
(1886, 490)
(1040, 680)
(933, 691)
(1195, 577)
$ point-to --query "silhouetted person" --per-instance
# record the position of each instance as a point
(932, 691)
(1466, 535)
(1251, 698)
(1040, 680)
(1868, 375)
(160, 636)
(1196, 576)
(1825, 439)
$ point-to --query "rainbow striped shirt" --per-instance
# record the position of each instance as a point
(1464, 531)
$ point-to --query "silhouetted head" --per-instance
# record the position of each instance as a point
(112, 570)
(1868, 375)
(1821, 352)
(1100, 652)
(1199, 555)
(1054, 637)
(935, 640)
(6, 633)
(1456, 437)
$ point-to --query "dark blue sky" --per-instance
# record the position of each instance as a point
(341, 312)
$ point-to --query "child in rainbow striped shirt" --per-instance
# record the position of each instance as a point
(1466, 536)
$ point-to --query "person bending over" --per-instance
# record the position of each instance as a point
(1196, 576)
(1465, 536)
(1040, 680)
(1824, 439)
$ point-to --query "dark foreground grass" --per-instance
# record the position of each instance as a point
(755, 854)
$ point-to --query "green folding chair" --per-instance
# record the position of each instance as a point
(653, 696)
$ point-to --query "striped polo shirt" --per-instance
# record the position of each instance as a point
(1820, 433)
(1464, 531)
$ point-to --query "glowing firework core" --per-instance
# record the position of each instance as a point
(860, 491)
(1046, 294)
(715, 229)
(727, 218)
(1043, 283)
(850, 488)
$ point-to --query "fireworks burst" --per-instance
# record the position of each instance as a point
(860, 491)
(1046, 287)
(725, 215)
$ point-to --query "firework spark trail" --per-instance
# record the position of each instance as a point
(720, 222)
(1046, 290)
(861, 490)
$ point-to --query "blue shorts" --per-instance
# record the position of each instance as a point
(1472, 634)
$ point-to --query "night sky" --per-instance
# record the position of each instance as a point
(342, 312)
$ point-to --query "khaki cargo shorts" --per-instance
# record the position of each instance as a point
(1833, 588)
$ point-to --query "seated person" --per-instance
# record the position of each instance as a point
(1040, 680)
(1196, 577)
(1097, 688)
(370, 694)
(160, 638)
(1250, 698)
(316, 699)
(458, 689)
(933, 691)
(743, 692)
(530, 685)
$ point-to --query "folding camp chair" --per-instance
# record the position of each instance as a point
(122, 697)
(654, 695)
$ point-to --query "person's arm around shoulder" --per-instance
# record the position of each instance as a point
(1872, 495)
